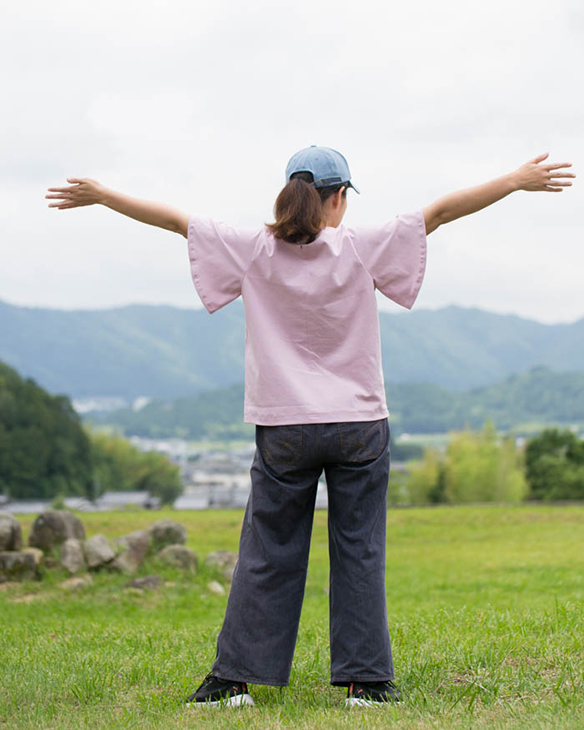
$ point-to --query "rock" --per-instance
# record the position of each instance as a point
(228, 573)
(224, 560)
(72, 557)
(134, 591)
(167, 532)
(10, 532)
(39, 556)
(53, 527)
(98, 551)
(78, 581)
(179, 556)
(134, 548)
(216, 588)
(17, 565)
(7, 585)
(148, 582)
(221, 559)
(51, 562)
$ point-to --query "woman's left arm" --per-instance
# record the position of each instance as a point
(84, 191)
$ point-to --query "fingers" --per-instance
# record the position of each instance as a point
(540, 158)
(557, 165)
(71, 204)
(551, 189)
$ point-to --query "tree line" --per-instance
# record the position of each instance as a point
(478, 466)
(46, 451)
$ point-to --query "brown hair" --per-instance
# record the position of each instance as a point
(299, 209)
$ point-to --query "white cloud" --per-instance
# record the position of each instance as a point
(201, 104)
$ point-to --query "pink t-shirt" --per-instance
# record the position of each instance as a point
(312, 344)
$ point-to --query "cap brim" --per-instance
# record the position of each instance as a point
(350, 185)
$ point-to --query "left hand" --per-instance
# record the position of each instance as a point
(83, 192)
(549, 177)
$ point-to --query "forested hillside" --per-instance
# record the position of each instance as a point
(44, 450)
(167, 352)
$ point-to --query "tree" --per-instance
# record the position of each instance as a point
(475, 468)
(43, 447)
(425, 479)
(479, 469)
(120, 466)
(554, 465)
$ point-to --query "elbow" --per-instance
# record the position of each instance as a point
(181, 225)
(433, 218)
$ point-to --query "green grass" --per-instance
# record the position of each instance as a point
(485, 608)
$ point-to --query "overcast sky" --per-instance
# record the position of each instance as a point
(200, 105)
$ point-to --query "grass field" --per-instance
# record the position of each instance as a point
(485, 608)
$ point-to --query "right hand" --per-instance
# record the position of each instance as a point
(550, 177)
(83, 192)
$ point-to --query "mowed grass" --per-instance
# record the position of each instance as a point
(485, 608)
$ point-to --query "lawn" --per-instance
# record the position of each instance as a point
(485, 608)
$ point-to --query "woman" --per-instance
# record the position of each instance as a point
(314, 389)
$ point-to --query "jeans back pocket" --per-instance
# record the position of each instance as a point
(280, 445)
(362, 440)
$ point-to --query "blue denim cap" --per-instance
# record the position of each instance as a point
(328, 167)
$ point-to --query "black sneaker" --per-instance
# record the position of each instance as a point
(215, 692)
(371, 694)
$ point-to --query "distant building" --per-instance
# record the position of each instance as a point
(119, 500)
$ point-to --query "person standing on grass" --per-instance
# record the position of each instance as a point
(314, 389)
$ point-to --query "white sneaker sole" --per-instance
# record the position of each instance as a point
(235, 701)
(362, 702)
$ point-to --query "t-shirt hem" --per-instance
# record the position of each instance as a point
(283, 417)
(422, 241)
(194, 261)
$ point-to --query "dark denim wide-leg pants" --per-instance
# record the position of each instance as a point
(256, 643)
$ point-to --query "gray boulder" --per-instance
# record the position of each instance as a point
(133, 549)
(224, 560)
(179, 556)
(148, 582)
(77, 581)
(53, 527)
(16, 565)
(10, 532)
(98, 552)
(167, 532)
(72, 557)
(39, 556)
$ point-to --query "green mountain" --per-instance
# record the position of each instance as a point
(538, 395)
(166, 352)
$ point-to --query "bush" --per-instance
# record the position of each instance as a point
(475, 468)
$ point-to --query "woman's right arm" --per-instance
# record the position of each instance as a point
(530, 176)
(85, 191)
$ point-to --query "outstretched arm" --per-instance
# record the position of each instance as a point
(89, 192)
(530, 176)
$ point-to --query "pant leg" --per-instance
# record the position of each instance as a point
(256, 643)
(357, 512)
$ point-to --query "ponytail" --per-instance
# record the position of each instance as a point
(298, 213)
(299, 209)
